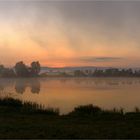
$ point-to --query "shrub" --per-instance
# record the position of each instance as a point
(27, 107)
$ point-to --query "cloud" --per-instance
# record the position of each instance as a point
(100, 59)
(91, 59)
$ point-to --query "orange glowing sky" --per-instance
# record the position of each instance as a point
(70, 33)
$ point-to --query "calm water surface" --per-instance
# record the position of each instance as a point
(67, 93)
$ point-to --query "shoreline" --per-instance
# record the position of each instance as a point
(68, 77)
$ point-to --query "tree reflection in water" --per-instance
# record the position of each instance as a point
(21, 85)
(1, 87)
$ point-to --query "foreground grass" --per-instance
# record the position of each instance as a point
(27, 120)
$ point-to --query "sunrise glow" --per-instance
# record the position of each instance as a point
(62, 34)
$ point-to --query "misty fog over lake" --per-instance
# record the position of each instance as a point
(66, 93)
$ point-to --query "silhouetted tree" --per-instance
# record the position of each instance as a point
(21, 69)
(35, 68)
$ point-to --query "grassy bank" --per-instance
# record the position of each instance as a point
(28, 120)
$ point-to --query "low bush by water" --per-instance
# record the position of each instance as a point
(26, 107)
(82, 110)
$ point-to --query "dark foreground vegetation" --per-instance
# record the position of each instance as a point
(28, 120)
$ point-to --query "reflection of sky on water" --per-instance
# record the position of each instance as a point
(66, 93)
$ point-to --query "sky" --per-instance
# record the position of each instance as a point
(70, 33)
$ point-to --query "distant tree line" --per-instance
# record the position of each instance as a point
(6, 72)
(21, 70)
(111, 72)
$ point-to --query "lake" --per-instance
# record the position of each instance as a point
(67, 93)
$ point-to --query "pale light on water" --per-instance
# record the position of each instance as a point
(67, 93)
